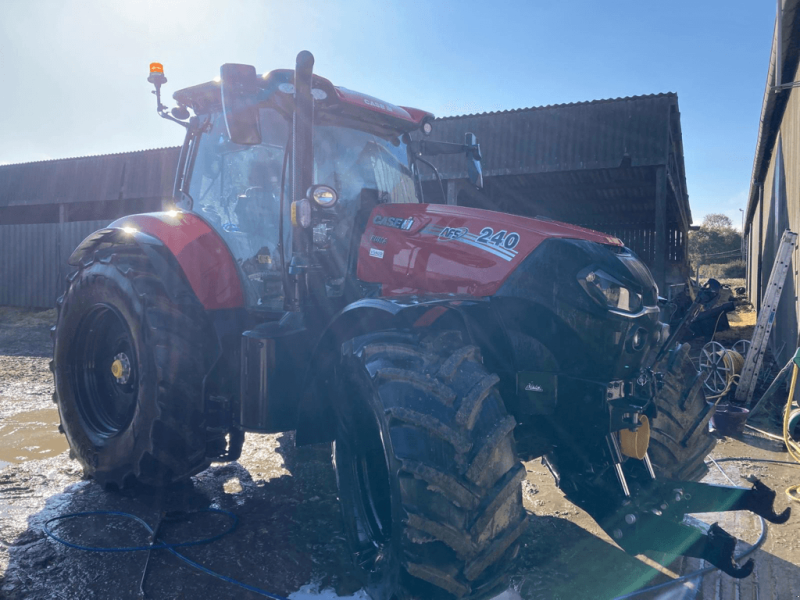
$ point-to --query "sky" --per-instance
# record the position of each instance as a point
(74, 73)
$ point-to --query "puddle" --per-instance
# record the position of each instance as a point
(30, 435)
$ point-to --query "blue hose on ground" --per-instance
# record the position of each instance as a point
(160, 545)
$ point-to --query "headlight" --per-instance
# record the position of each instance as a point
(609, 292)
(324, 195)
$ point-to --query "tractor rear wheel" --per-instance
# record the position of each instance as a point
(679, 436)
(428, 476)
(129, 365)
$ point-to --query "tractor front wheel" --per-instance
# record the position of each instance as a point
(679, 436)
(129, 365)
(428, 475)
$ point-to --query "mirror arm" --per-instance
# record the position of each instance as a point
(162, 110)
(431, 148)
(169, 117)
(438, 177)
(417, 178)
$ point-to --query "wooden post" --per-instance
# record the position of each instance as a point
(659, 264)
(452, 192)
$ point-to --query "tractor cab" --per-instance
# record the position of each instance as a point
(237, 172)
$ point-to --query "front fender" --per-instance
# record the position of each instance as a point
(163, 263)
(316, 421)
(180, 239)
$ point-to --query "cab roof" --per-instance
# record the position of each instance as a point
(276, 87)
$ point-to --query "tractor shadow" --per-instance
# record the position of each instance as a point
(289, 534)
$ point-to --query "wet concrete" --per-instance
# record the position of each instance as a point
(289, 539)
(30, 436)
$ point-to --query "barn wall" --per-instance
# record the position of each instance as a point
(780, 210)
(33, 260)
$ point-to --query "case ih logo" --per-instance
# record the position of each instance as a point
(379, 105)
(453, 233)
(394, 222)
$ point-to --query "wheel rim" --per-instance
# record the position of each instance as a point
(371, 497)
(104, 372)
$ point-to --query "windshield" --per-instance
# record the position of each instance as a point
(237, 190)
(351, 160)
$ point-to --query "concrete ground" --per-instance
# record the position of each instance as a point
(289, 539)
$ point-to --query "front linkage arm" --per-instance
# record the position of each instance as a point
(652, 517)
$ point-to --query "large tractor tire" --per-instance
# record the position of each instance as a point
(129, 365)
(679, 438)
(428, 476)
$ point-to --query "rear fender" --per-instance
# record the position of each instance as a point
(316, 420)
(176, 240)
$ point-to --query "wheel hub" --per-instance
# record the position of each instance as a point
(104, 371)
(121, 368)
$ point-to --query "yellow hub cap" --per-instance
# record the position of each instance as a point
(116, 368)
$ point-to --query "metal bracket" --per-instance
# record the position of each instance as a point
(652, 516)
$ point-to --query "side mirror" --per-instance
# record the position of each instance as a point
(474, 157)
(239, 90)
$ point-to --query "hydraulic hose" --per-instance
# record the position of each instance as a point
(793, 491)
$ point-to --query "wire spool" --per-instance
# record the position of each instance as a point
(793, 426)
(721, 367)
(742, 347)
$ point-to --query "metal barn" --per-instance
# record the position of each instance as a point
(47, 208)
(774, 202)
(611, 165)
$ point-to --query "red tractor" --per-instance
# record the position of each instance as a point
(299, 284)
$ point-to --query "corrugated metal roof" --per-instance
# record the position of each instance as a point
(564, 137)
(561, 105)
(124, 176)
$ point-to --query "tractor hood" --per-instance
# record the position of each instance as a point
(440, 249)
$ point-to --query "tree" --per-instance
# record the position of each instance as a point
(715, 242)
(717, 222)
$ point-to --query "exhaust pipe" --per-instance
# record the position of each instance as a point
(302, 175)
(303, 150)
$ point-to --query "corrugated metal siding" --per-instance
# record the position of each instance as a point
(784, 338)
(612, 196)
(144, 174)
(588, 135)
(33, 260)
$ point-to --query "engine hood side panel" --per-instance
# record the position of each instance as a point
(438, 249)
